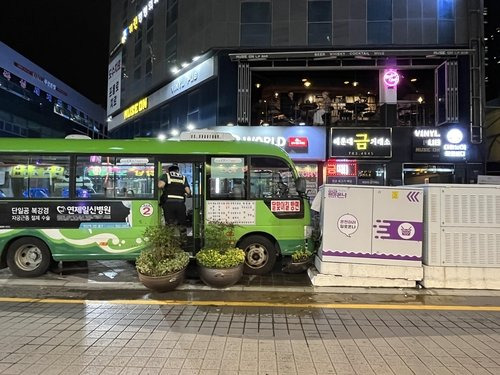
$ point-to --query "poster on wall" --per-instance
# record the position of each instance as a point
(114, 84)
(76, 214)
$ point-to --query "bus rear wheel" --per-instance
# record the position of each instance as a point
(28, 257)
(260, 255)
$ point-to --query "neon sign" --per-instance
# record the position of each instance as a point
(455, 148)
(142, 15)
(136, 108)
(391, 78)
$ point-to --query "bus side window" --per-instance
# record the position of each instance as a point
(226, 177)
(37, 177)
(101, 177)
(271, 178)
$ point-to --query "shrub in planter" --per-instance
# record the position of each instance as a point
(220, 262)
(301, 255)
(300, 261)
(162, 264)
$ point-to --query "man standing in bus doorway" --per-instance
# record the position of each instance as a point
(175, 189)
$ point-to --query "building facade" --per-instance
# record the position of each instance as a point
(395, 71)
(34, 103)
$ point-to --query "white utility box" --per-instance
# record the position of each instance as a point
(372, 233)
(461, 236)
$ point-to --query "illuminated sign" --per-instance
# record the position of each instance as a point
(434, 144)
(40, 78)
(141, 16)
(346, 168)
(136, 108)
(298, 142)
(361, 143)
(302, 143)
(426, 144)
(191, 78)
(391, 78)
(455, 148)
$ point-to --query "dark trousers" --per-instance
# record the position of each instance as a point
(174, 212)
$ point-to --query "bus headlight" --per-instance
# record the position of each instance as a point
(308, 229)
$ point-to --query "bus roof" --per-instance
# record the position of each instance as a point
(142, 146)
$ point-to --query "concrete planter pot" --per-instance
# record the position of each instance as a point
(220, 277)
(298, 267)
(163, 283)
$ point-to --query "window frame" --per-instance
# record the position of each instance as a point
(152, 159)
(294, 174)
(321, 22)
(208, 177)
(259, 24)
(31, 155)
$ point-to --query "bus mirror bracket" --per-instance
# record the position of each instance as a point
(300, 185)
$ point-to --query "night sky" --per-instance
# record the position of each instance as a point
(67, 38)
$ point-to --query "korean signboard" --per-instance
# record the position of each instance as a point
(114, 84)
(67, 214)
(301, 143)
(433, 144)
(366, 143)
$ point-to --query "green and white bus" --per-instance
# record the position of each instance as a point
(83, 199)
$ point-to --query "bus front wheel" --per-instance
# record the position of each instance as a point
(260, 255)
(28, 257)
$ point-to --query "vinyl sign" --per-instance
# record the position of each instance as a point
(367, 143)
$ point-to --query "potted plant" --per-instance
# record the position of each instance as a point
(220, 262)
(300, 261)
(162, 264)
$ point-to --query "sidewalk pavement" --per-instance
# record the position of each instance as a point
(139, 338)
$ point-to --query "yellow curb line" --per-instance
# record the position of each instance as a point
(360, 306)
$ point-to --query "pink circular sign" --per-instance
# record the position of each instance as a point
(391, 78)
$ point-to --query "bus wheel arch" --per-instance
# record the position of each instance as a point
(261, 251)
(28, 256)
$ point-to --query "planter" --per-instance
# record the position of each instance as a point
(220, 277)
(297, 267)
(163, 283)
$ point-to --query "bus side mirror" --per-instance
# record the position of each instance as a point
(300, 185)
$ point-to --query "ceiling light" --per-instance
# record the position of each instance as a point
(257, 85)
(307, 83)
(304, 79)
(175, 70)
(355, 83)
(413, 80)
(346, 82)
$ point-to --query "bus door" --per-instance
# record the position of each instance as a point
(192, 169)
